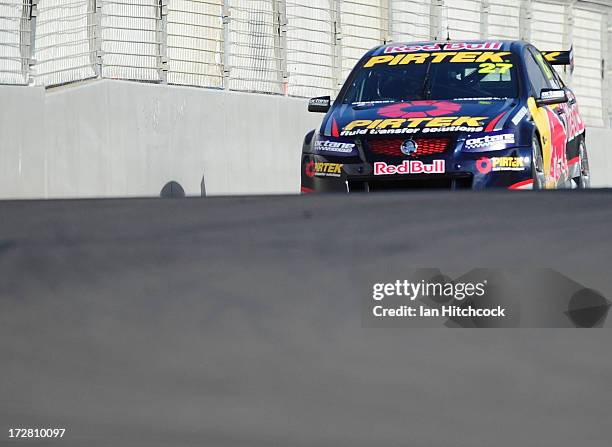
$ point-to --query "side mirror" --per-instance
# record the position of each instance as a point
(549, 97)
(320, 105)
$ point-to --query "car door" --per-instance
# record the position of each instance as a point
(574, 127)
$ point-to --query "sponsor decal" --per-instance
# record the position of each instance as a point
(487, 165)
(319, 102)
(410, 167)
(553, 94)
(571, 118)
(402, 126)
(495, 68)
(493, 125)
(420, 109)
(558, 134)
(521, 114)
(490, 61)
(412, 48)
(457, 46)
(489, 142)
(556, 131)
(561, 58)
(334, 147)
(368, 104)
(483, 100)
(317, 169)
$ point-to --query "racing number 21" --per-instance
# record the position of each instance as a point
(495, 68)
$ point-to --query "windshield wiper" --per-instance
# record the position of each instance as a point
(426, 90)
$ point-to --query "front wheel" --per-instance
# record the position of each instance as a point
(537, 165)
(584, 181)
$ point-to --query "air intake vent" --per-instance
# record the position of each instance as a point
(425, 147)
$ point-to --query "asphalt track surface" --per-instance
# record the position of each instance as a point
(235, 322)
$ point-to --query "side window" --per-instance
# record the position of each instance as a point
(537, 78)
(547, 69)
(559, 83)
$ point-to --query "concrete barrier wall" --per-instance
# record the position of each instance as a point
(22, 142)
(123, 139)
(599, 142)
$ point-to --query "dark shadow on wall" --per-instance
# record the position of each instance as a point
(172, 190)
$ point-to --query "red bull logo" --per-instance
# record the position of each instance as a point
(410, 167)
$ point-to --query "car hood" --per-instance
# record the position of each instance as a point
(420, 117)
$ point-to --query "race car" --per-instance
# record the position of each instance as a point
(449, 115)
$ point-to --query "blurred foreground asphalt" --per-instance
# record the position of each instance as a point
(237, 322)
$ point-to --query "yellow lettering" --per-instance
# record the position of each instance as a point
(378, 60)
(469, 121)
(438, 58)
(374, 124)
(442, 122)
(489, 56)
(417, 58)
(394, 123)
(416, 122)
(397, 59)
(465, 57)
(551, 57)
(358, 123)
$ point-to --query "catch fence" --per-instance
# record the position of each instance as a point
(286, 47)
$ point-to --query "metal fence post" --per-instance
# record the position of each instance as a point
(227, 45)
(568, 35)
(435, 19)
(336, 41)
(526, 15)
(94, 36)
(485, 9)
(280, 43)
(28, 40)
(162, 39)
(607, 67)
(386, 29)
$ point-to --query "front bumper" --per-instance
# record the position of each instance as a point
(507, 169)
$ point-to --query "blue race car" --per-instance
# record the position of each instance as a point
(449, 115)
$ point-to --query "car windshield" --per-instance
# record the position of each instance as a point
(434, 76)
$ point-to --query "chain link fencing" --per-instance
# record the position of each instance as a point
(298, 48)
(503, 20)
(311, 31)
(64, 41)
(195, 52)
(255, 56)
(15, 41)
(130, 39)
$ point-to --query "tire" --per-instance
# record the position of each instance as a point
(584, 181)
(537, 164)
